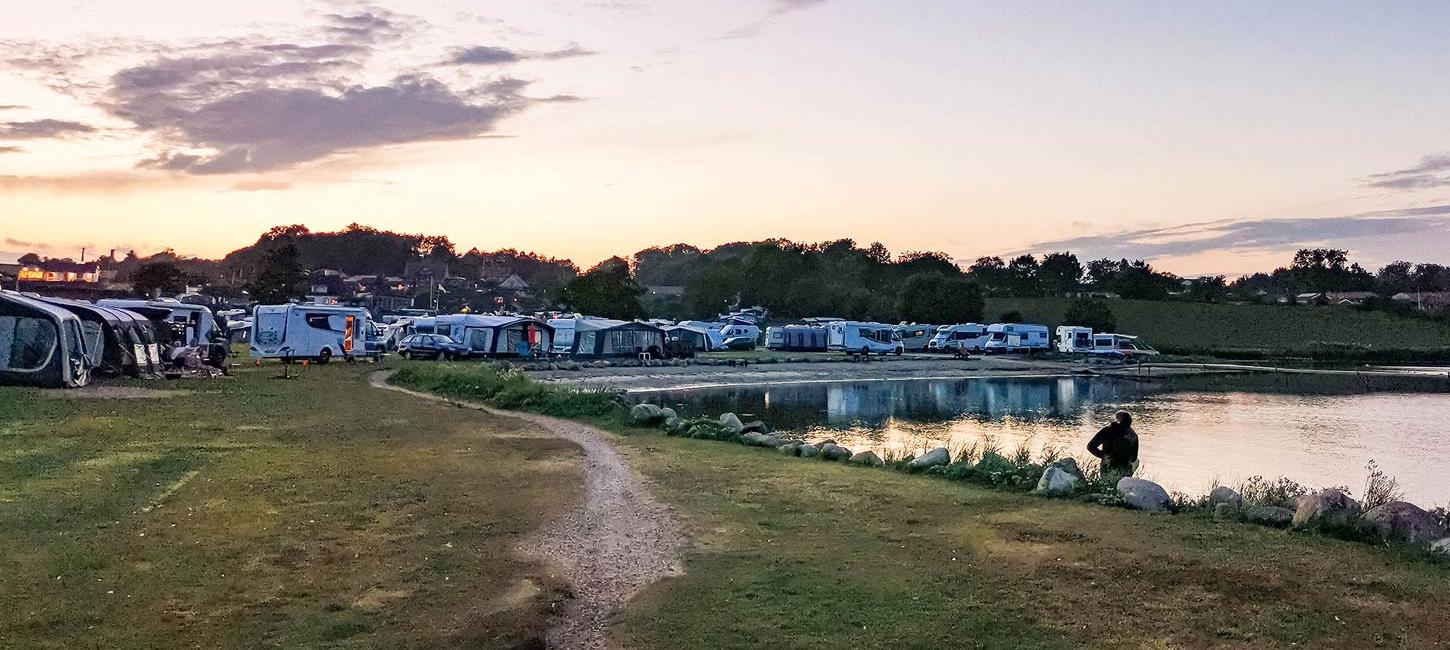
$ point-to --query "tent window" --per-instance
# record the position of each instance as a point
(586, 342)
(26, 343)
(479, 339)
(95, 341)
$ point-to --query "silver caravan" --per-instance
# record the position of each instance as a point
(318, 332)
(1016, 337)
(914, 337)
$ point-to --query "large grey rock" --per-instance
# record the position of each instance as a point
(673, 424)
(1272, 516)
(809, 451)
(754, 439)
(1225, 495)
(756, 425)
(1060, 478)
(1405, 522)
(1326, 509)
(789, 449)
(835, 452)
(732, 423)
(772, 440)
(645, 413)
(1142, 494)
(868, 458)
(934, 458)
(668, 413)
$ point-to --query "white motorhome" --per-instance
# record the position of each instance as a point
(318, 332)
(1016, 337)
(1121, 346)
(914, 337)
(1074, 338)
(864, 339)
(963, 337)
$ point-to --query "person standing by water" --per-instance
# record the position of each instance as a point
(1116, 445)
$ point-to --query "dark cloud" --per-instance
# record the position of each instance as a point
(1432, 171)
(369, 26)
(37, 129)
(490, 55)
(571, 52)
(11, 149)
(1429, 226)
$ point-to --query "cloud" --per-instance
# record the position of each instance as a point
(1432, 171)
(1375, 234)
(38, 129)
(12, 107)
(11, 241)
(11, 149)
(490, 55)
(260, 186)
(778, 9)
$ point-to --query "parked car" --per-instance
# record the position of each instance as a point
(431, 346)
(739, 343)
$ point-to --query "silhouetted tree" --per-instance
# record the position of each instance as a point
(153, 277)
(1091, 313)
(607, 290)
(937, 298)
(281, 277)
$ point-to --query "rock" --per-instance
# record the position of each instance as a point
(668, 413)
(1272, 516)
(789, 449)
(933, 458)
(1441, 545)
(1326, 509)
(673, 424)
(732, 423)
(645, 413)
(772, 440)
(827, 441)
(835, 452)
(1405, 522)
(809, 451)
(754, 439)
(1142, 494)
(1060, 478)
(868, 458)
(1225, 495)
(756, 425)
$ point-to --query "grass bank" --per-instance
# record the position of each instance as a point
(1332, 333)
(257, 512)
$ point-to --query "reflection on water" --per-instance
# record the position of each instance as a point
(1190, 438)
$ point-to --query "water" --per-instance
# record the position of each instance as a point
(1190, 436)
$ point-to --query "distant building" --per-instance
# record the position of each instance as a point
(59, 271)
(1429, 301)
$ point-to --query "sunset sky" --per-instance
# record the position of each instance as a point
(1208, 137)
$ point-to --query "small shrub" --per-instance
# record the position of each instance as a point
(1281, 492)
(1379, 489)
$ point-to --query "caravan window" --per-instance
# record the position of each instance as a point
(329, 322)
(26, 343)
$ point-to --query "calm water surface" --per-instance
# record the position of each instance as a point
(1189, 438)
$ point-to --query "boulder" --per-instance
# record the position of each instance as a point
(1225, 511)
(1272, 516)
(868, 458)
(934, 458)
(645, 413)
(1142, 494)
(673, 424)
(756, 425)
(1225, 495)
(809, 451)
(789, 449)
(1405, 522)
(772, 440)
(668, 413)
(732, 423)
(835, 452)
(1060, 478)
(827, 441)
(754, 439)
(1326, 509)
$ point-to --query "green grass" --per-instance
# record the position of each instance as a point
(257, 512)
(793, 553)
(1189, 327)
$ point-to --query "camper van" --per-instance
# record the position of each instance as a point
(1016, 337)
(864, 339)
(961, 338)
(41, 345)
(1074, 338)
(1121, 346)
(318, 332)
(915, 338)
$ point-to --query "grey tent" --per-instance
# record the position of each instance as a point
(40, 344)
(598, 337)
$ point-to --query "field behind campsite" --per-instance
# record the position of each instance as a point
(258, 512)
(1205, 327)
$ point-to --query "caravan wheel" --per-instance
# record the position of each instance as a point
(325, 355)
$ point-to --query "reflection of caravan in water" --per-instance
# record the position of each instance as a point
(966, 337)
(318, 332)
(1016, 337)
(852, 337)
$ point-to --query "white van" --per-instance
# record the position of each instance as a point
(852, 337)
(1016, 337)
(318, 332)
(964, 337)
(914, 337)
(1074, 338)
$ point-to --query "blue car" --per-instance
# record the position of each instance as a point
(432, 346)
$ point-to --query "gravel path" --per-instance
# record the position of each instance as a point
(617, 541)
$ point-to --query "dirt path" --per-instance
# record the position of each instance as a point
(617, 541)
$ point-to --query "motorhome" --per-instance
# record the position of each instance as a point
(41, 344)
(1121, 346)
(496, 336)
(1074, 339)
(960, 338)
(309, 331)
(864, 339)
(1016, 337)
(914, 337)
(797, 338)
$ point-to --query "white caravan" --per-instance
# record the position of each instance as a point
(318, 332)
(916, 337)
(196, 321)
(1016, 337)
(852, 337)
(1074, 338)
(964, 337)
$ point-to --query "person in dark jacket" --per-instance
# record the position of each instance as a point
(1116, 445)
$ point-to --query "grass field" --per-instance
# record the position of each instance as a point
(1193, 327)
(792, 553)
(257, 512)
